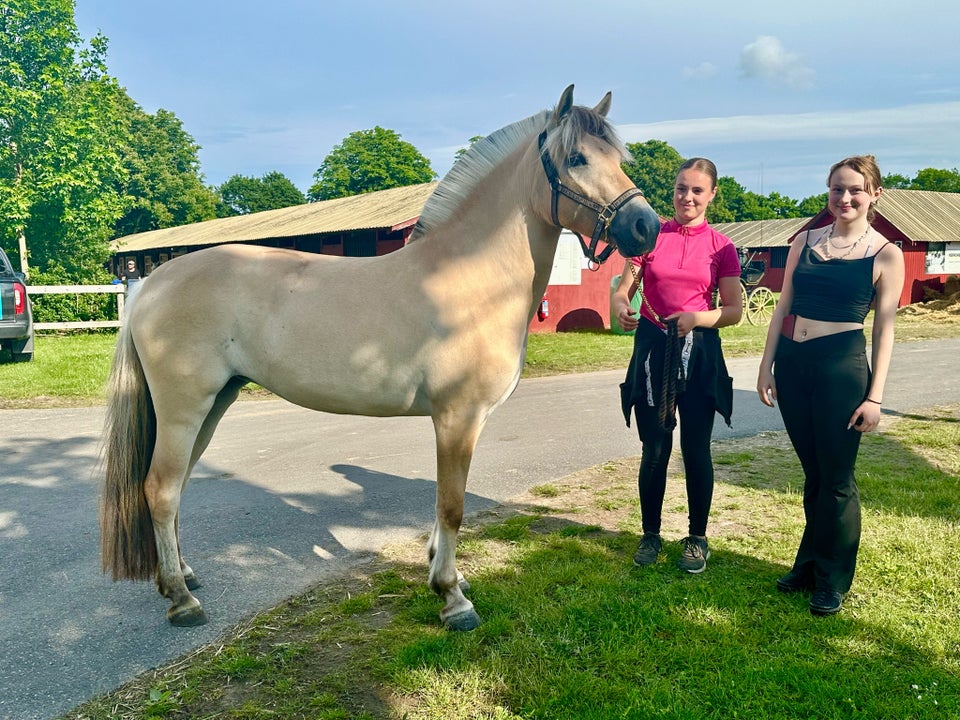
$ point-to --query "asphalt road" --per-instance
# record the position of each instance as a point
(283, 498)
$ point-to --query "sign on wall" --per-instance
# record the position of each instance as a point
(568, 261)
(943, 258)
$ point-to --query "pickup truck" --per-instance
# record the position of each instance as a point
(16, 319)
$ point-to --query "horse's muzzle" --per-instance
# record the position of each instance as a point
(634, 228)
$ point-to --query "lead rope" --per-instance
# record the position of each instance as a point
(673, 380)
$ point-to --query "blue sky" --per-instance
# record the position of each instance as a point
(773, 92)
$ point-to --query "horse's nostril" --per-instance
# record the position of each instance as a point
(646, 227)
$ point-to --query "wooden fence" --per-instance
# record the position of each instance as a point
(118, 290)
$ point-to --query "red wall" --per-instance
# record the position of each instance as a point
(584, 306)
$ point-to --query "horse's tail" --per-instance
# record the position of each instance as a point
(127, 546)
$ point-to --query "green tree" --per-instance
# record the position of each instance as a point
(937, 180)
(60, 134)
(729, 196)
(463, 151)
(779, 207)
(896, 181)
(808, 207)
(927, 179)
(369, 160)
(163, 186)
(241, 195)
(737, 203)
(653, 170)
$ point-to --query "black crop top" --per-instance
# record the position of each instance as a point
(832, 290)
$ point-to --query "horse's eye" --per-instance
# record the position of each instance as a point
(576, 159)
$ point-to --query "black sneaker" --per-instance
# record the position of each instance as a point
(826, 602)
(649, 550)
(795, 581)
(695, 554)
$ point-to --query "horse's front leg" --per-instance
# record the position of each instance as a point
(455, 445)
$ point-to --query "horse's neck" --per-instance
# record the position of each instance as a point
(498, 224)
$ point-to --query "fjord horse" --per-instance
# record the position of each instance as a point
(436, 328)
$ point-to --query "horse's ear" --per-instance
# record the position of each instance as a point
(603, 107)
(563, 107)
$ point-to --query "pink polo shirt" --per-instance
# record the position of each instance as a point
(683, 270)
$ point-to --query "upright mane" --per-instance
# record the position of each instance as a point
(484, 155)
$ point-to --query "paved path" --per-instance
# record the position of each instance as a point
(283, 498)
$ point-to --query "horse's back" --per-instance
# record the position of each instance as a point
(351, 335)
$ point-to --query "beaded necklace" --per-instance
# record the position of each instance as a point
(849, 248)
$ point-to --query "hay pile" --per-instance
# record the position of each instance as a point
(945, 305)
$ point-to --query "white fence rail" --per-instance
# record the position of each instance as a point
(118, 290)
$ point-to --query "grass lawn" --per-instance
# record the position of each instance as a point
(573, 630)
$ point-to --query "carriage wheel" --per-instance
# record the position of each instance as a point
(743, 302)
(760, 305)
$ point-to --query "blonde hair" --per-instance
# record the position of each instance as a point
(867, 166)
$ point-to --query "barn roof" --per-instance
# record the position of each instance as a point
(392, 209)
(922, 215)
(761, 233)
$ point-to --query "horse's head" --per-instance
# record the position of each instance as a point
(582, 156)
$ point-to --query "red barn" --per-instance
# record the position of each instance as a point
(925, 224)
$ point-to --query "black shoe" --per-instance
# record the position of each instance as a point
(650, 547)
(695, 554)
(826, 602)
(795, 582)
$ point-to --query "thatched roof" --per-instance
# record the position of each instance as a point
(386, 209)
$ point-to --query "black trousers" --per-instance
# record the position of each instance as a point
(820, 383)
(696, 410)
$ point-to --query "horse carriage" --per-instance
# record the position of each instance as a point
(758, 301)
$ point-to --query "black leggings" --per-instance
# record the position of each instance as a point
(696, 410)
(820, 383)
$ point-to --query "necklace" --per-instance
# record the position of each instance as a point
(849, 248)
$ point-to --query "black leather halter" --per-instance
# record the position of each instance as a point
(605, 213)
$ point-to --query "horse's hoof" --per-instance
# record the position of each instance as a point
(187, 617)
(464, 584)
(192, 581)
(463, 621)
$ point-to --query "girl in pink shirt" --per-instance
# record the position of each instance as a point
(677, 363)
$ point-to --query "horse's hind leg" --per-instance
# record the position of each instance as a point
(225, 398)
(162, 490)
(177, 434)
(456, 440)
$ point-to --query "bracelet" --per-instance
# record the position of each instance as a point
(875, 402)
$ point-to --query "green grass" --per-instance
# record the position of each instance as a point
(571, 629)
(66, 370)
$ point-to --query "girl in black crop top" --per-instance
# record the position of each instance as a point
(814, 366)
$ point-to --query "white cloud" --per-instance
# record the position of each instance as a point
(790, 153)
(909, 121)
(703, 71)
(767, 59)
